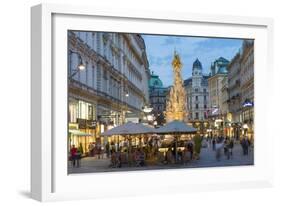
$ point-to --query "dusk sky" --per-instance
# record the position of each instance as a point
(160, 50)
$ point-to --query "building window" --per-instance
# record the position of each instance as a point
(196, 90)
(90, 112)
(93, 76)
(196, 106)
(197, 115)
(205, 106)
(205, 98)
(196, 98)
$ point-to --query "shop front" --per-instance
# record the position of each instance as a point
(247, 117)
(82, 128)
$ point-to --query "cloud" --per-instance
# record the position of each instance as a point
(172, 41)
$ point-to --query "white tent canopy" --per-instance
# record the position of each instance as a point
(129, 129)
(176, 126)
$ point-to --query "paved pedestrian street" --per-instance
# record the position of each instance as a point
(207, 159)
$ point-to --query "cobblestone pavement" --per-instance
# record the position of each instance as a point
(207, 159)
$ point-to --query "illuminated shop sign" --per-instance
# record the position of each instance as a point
(248, 104)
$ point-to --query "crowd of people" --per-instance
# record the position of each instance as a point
(226, 144)
(137, 156)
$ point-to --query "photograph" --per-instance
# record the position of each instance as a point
(140, 101)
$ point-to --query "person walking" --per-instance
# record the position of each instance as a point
(219, 146)
(73, 153)
(107, 149)
(246, 146)
(98, 148)
(231, 145)
(242, 143)
(91, 149)
(190, 149)
(214, 143)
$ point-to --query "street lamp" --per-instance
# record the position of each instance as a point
(155, 123)
(123, 89)
(147, 110)
(80, 67)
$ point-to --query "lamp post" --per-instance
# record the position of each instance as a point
(155, 123)
(122, 100)
(147, 110)
(80, 67)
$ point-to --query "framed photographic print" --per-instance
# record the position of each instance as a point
(135, 102)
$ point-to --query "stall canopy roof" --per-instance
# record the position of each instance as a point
(176, 127)
(129, 128)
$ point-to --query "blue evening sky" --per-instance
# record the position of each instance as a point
(160, 51)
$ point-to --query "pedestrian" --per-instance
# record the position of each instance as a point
(231, 145)
(91, 149)
(214, 144)
(219, 146)
(249, 144)
(73, 153)
(246, 146)
(142, 157)
(190, 149)
(185, 155)
(242, 143)
(169, 156)
(98, 148)
(227, 148)
(107, 149)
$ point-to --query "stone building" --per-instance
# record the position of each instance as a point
(217, 88)
(234, 87)
(112, 86)
(247, 87)
(218, 73)
(234, 92)
(157, 97)
(197, 93)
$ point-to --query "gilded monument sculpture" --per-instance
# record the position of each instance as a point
(176, 105)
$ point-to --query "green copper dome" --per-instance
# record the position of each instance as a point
(154, 81)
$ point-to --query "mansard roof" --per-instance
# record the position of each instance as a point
(221, 59)
(222, 70)
(187, 81)
(204, 82)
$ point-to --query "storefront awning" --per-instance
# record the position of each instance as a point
(78, 133)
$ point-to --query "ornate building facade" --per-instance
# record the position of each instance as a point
(197, 93)
(234, 93)
(247, 87)
(113, 85)
(157, 97)
(217, 88)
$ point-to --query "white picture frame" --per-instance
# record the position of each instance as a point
(49, 178)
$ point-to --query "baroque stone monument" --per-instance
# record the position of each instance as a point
(176, 105)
